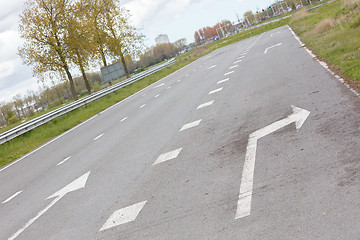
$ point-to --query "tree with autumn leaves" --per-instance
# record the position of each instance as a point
(60, 35)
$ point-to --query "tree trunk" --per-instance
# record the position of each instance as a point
(83, 74)
(103, 57)
(72, 86)
(124, 65)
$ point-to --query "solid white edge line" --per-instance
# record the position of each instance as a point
(12, 197)
(63, 161)
(323, 64)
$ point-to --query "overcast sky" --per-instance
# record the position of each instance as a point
(176, 18)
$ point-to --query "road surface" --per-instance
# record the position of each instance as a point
(254, 141)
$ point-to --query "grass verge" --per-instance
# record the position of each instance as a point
(332, 32)
(25, 143)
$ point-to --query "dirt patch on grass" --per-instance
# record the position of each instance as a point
(348, 3)
(300, 15)
(324, 25)
(198, 51)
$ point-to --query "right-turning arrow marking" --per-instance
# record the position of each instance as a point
(246, 187)
(73, 186)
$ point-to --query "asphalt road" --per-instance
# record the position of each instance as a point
(172, 161)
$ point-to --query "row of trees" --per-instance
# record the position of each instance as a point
(46, 97)
(220, 29)
(61, 35)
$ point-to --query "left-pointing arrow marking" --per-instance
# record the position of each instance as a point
(75, 185)
(246, 187)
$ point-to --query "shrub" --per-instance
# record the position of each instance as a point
(355, 22)
(324, 25)
(13, 119)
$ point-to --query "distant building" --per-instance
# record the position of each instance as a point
(162, 38)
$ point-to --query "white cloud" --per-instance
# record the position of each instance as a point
(7, 68)
(22, 88)
(9, 43)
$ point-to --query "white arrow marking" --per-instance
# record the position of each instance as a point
(274, 33)
(246, 187)
(267, 49)
(123, 215)
(75, 185)
(10, 198)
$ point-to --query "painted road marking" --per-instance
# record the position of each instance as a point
(190, 125)
(12, 197)
(124, 215)
(212, 67)
(178, 80)
(235, 66)
(167, 156)
(63, 161)
(228, 73)
(241, 57)
(237, 61)
(215, 91)
(123, 119)
(98, 136)
(159, 85)
(221, 81)
(169, 87)
(73, 186)
(246, 187)
(267, 49)
(243, 54)
(157, 95)
(205, 104)
(142, 105)
(275, 34)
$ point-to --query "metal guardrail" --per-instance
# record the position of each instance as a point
(36, 122)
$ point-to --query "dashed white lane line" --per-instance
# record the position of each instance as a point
(241, 57)
(159, 85)
(178, 80)
(63, 161)
(205, 104)
(228, 73)
(243, 54)
(98, 137)
(232, 67)
(142, 106)
(215, 91)
(237, 61)
(222, 81)
(169, 87)
(157, 95)
(167, 156)
(124, 215)
(123, 119)
(212, 67)
(12, 197)
(190, 125)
